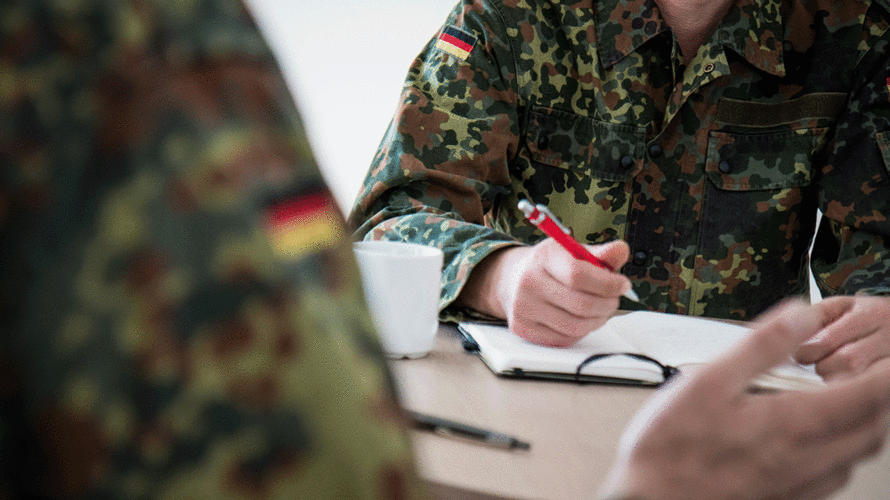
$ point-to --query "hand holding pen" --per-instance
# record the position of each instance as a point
(547, 295)
(541, 217)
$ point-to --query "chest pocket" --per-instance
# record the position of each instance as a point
(770, 145)
(758, 161)
(588, 147)
(757, 212)
(582, 169)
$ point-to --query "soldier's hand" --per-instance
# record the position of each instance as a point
(706, 437)
(856, 335)
(547, 296)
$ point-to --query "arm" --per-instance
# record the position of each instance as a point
(443, 163)
(440, 173)
(851, 254)
(707, 437)
(166, 348)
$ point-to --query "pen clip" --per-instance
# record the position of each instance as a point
(547, 213)
(538, 213)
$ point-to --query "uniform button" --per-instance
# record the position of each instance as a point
(543, 142)
(640, 258)
(627, 161)
(725, 167)
(655, 151)
(709, 67)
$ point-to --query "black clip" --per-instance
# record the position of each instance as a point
(467, 342)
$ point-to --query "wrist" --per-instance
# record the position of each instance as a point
(484, 291)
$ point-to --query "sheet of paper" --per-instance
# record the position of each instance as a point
(673, 339)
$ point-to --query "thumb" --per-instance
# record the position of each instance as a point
(775, 337)
(614, 253)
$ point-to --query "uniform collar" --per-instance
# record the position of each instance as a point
(750, 29)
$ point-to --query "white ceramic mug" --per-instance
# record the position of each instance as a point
(402, 282)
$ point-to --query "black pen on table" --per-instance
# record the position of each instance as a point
(455, 429)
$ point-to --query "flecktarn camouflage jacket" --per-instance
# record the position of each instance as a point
(180, 313)
(712, 167)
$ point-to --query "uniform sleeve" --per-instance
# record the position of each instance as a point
(442, 166)
(189, 323)
(851, 252)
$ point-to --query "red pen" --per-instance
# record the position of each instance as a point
(550, 225)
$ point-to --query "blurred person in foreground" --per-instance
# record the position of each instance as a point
(181, 315)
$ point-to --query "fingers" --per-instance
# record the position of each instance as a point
(614, 253)
(854, 358)
(584, 276)
(851, 403)
(776, 335)
(546, 325)
(839, 329)
(548, 313)
(549, 297)
(577, 303)
(542, 334)
(856, 336)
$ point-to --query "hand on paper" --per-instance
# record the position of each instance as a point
(547, 296)
(706, 437)
(856, 334)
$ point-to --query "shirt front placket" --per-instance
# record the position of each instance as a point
(668, 191)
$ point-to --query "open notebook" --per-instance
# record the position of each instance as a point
(662, 344)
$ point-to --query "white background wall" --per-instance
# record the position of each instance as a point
(345, 61)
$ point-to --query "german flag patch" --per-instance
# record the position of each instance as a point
(302, 224)
(456, 42)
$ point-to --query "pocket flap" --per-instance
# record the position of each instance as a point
(591, 147)
(773, 160)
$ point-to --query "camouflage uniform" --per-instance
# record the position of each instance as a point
(181, 315)
(712, 168)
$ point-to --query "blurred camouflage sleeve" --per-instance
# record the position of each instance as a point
(442, 166)
(181, 315)
(851, 252)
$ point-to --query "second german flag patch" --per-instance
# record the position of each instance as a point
(304, 224)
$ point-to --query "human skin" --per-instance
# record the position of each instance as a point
(707, 437)
(546, 295)
(856, 336)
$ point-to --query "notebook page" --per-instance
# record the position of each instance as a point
(674, 339)
(686, 341)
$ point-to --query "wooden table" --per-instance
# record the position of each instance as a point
(573, 430)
